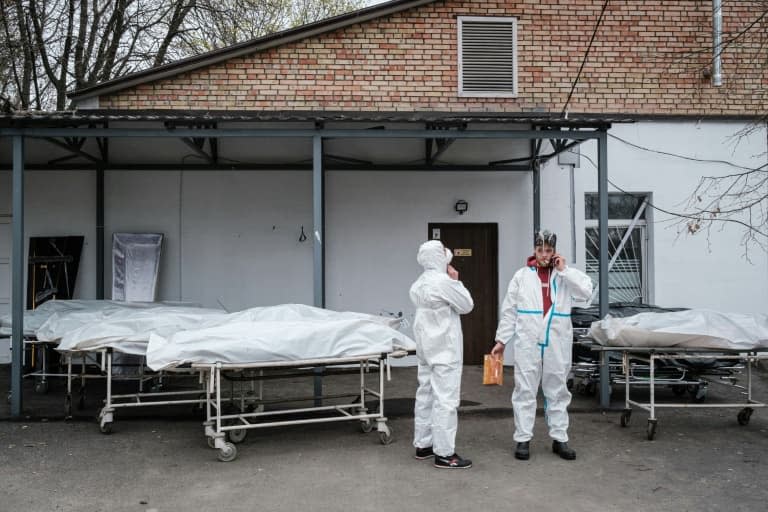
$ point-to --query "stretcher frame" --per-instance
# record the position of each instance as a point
(651, 355)
(154, 398)
(224, 431)
(43, 374)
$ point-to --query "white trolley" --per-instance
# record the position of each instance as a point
(224, 430)
(648, 357)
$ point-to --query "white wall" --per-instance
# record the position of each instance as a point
(233, 237)
(241, 238)
(376, 221)
(690, 271)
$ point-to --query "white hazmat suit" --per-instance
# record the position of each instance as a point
(542, 345)
(439, 301)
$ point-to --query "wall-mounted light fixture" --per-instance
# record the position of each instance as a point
(461, 206)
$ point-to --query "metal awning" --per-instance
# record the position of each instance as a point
(90, 140)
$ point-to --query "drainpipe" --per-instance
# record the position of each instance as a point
(717, 36)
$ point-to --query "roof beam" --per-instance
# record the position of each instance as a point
(244, 166)
(288, 133)
(74, 146)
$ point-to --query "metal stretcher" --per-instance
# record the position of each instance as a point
(640, 368)
(680, 378)
(83, 366)
(224, 429)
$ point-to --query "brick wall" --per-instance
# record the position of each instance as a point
(647, 58)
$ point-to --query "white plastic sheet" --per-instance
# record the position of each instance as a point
(34, 319)
(280, 333)
(124, 329)
(695, 328)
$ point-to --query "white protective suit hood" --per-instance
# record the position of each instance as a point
(434, 256)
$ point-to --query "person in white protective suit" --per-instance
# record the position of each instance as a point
(536, 318)
(439, 298)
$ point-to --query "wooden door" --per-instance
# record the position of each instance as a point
(475, 256)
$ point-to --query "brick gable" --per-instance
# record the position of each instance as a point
(647, 58)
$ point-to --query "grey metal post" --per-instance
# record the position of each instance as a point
(602, 227)
(536, 196)
(318, 243)
(17, 289)
(318, 210)
(100, 233)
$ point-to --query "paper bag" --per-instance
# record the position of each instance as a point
(493, 370)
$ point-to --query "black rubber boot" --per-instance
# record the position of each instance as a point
(523, 451)
(563, 450)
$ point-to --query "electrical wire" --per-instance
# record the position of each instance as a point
(584, 60)
(678, 214)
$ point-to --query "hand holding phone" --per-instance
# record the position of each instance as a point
(558, 261)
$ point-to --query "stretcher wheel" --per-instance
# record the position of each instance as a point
(744, 416)
(366, 426)
(237, 436)
(228, 453)
(651, 429)
(106, 428)
(626, 416)
(385, 436)
(700, 395)
(211, 442)
(41, 387)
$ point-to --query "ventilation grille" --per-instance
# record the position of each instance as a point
(488, 57)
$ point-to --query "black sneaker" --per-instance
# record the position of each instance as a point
(424, 453)
(563, 450)
(452, 462)
(523, 451)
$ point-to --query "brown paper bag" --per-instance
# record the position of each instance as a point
(493, 370)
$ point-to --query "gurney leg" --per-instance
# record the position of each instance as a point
(227, 451)
(366, 425)
(626, 415)
(651, 429)
(81, 401)
(208, 423)
(68, 397)
(385, 433)
(605, 381)
(42, 385)
(107, 412)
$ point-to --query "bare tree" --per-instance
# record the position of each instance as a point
(48, 47)
(739, 199)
